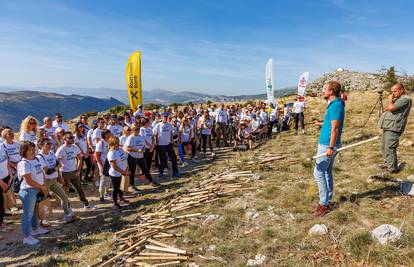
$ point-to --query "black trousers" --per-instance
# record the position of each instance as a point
(148, 158)
(299, 117)
(132, 165)
(116, 183)
(2, 211)
(270, 128)
(206, 138)
(88, 162)
(193, 148)
(163, 151)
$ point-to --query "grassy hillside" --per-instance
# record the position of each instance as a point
(274, 219)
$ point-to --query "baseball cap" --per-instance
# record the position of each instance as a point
(165, 114)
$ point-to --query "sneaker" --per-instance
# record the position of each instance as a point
(213, 154)
(30, 241)
(40, 231)
(176, 175)
(124, 202)
(135, 190)
(195, 161)
(303, 131)
(89, 207)
(320, 210)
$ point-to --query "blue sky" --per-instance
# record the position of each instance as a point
(210, 46)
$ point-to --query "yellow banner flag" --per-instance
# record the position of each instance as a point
(133, 78)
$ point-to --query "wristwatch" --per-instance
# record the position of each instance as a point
(331, 147)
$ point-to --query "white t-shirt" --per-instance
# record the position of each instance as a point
(97, 135)
(264, 116)
(147, 134)
(273, 114)
(62, 125)
(89, 136)
(221, 116)
(135, 142)
(50, 131)
(139, 114)
(67, 156)
(28, 136)
(48, 161)
(81, 142)
(207, 130)
(103, 148)
(164, 131)
(12, 151)
(186, 134)
(33, 167)
(121, 161)
(122, 140)
(299, 106)
(4, 171)
(116, 130)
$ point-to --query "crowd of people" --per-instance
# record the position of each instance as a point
(55, 159)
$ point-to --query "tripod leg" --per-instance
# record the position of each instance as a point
(369, 116)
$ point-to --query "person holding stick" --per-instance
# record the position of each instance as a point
(392, 123)
(329, 142)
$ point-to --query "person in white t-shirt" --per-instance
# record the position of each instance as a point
(58, 122)
(146, 132)
(163, 132)
(53, 181)
(222, 119)
(185, 135)
(126, 131)
(139, 113)
(70, 157)
(206, 124)
(4, 182)
(82, 143)
(114, 127)
(135, 146)
(28, 129)
(101, 152)
(298, 113)
(48, 127)
(97, 133)
(12, 149)
(31, 174)
(118, 161)
(84, 120)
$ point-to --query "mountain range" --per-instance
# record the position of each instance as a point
(15, 106)
(159, 96)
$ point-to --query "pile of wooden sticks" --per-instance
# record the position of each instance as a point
(140, 245)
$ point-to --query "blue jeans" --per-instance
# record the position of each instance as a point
(29, 219)
(324, 176)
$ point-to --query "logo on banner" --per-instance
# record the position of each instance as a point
(302, 82)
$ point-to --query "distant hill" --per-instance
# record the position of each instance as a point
(15, 106)
(159, 96)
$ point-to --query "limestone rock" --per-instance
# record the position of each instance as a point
(258, 260)
(386, 233)
(318, 230)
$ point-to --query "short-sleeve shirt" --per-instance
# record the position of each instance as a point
(4, 171)
(164, 131)
(116, 130)
(32, 167)
(334, 112)
(48, 161)
(50, 131)
(146, 132)
(186, 133)
(96, 135)
(67, 156)
(28, 136)
(207, 131)
(103, 148)
(299, 106)
(82, 143)
(135, 142)
(120, 158)
(12, 151)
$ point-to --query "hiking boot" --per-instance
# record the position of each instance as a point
(320, 210)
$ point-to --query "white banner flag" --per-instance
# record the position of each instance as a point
(303, 82)
(269, 81)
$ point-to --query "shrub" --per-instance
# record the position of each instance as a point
(118, 109)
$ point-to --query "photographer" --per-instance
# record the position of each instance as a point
(393, 122)
(52, 179)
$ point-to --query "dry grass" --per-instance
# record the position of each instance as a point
(284, 201)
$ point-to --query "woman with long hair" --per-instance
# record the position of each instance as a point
(101, 152)
(185, 136)
(81, 142)
(146, 132)
(126, 131)
(32, 178)
(28, 129)
(118, 161)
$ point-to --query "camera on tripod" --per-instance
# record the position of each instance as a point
(380, 92)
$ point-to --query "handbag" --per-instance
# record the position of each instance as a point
(44, 206)
(124, 183)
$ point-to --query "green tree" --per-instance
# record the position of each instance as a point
(389, 77)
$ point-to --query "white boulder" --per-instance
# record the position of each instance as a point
(386, 233)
